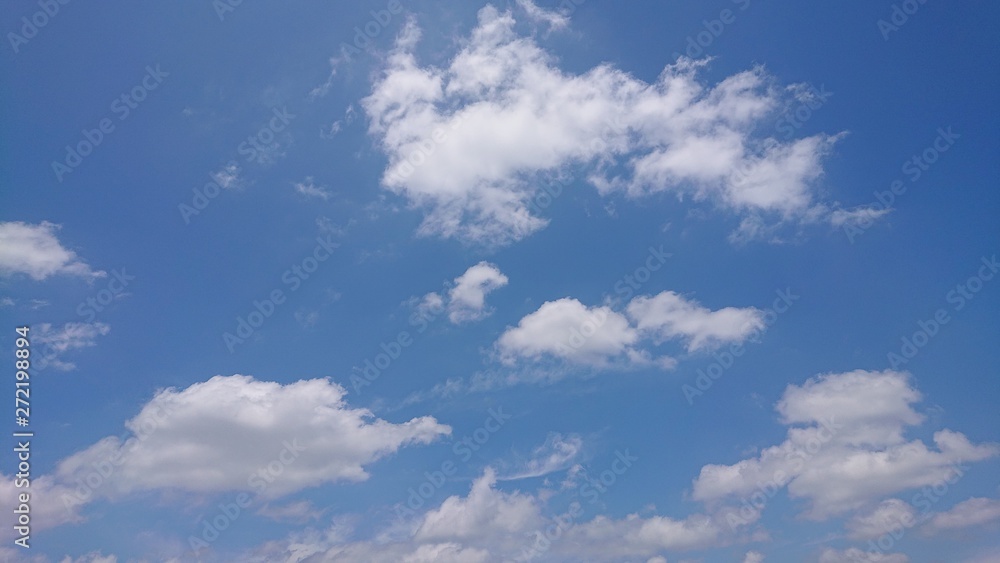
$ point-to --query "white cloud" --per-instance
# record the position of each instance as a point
(35, 250)
(857, 216)
(557, 453)
(972, 512)
(554, 20)
(890, 516)
(466, 299)
(46, 502)
(483, 513)
(855, 555)
(52, 343)
(468, 141)
(669, 315)
(568, 330)
(310, 189)
(228, 177)
(635, 536)
(600, 337)
(753, 557)
(492, 525)
(852, 451)
(222, 434)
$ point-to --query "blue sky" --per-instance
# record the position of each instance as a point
(405, 281)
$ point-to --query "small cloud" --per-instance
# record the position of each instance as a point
(53, 342)
(554, 20)
(308, 188)
(228, 177)
(856, 216)
(307, 318)
(556, 454)
(34, 250)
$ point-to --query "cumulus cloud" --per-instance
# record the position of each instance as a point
(966, 514)
(891, 515)
(753, 557)
(489, 524)
(467, 298)
(601, 337)
(851, 451)
(465, 301)
(569, 330)
(468, 141)
(668, 315)
(227, 433)
(35, 250)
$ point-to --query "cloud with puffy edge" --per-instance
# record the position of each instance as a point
(846, 447)
(35, 251)
(465, 300)
(468, 142)
(600, 337)
(230, 433)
